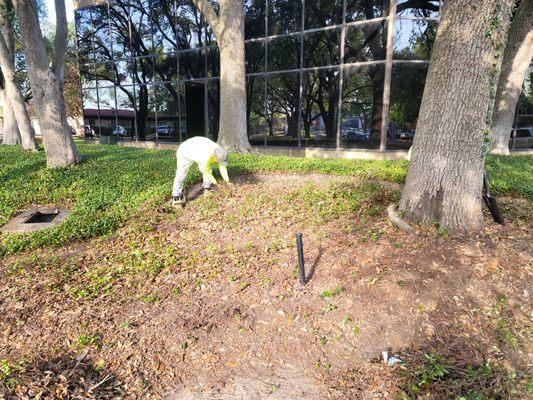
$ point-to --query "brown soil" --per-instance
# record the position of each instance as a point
(204, 302)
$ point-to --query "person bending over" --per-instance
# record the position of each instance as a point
(205, 153)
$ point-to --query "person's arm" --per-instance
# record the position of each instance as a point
(224, 172)
(208, 173)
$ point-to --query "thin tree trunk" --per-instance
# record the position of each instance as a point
(13, 96)
(46, 83)
(11, 131)
(516, 59)
(15, 99)
(228, 26)
(446, 169)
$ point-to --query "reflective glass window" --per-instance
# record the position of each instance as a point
(107, 110)
(166, 67)
(320, 13)
(104, 74)
(191, 64)
(144, 70)
(125, 100)
(322, 48)
(407, 88)
(284, 16)
(284, 53)
(120, 36)
(102, 36)
(166, 100)
(141, 28)
(124, 71)
(320, 99)
(255, 110)
(87, 76)
(426, 9)
(189, 26)
(255, 56)
(213, 62)
(254, 18)
(366, 42)
(163, 26)
(213, 107)
(145, 112)
(91, 113)
(362, 106)
(84, 36)
(283, 102)
(413, 39)
(358, 10)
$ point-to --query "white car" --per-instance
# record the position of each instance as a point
(120, 131)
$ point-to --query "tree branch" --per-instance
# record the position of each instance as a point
(60, 41)
(420, 4)
(209, 13)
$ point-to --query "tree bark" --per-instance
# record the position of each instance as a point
(446, 170)
(13, 94)
(228, 26)
(516, 59)
(11, 131)
(46, 83)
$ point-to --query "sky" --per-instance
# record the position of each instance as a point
(52, 14)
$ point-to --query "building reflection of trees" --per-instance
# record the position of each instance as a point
(143, 48)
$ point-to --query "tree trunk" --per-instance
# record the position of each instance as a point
(13, 97)
(46, 84)
(228, 26)
(516, 59)
(13, 94)
(446, 169)
(230, 34)
(11, 131)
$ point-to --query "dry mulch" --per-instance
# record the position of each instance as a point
(204, 302)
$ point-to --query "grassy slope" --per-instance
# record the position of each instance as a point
(113, 181)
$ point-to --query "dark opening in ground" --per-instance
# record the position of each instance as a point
(40, 217)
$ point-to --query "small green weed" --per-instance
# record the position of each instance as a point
(431, 371)
(331, 293)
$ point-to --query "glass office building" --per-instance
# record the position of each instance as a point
(319, 73)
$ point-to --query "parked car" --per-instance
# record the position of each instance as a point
(165, 130)
(407, 135)
(120, 131)
(523, 138)
(353, 129)
(89, 132)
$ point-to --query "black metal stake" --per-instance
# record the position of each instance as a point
(301, 265)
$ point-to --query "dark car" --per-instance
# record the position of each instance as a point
(523, 138)
(353, 129)
(89, 132)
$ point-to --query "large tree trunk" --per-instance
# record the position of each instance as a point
(516, 59)
(11, 131)
(46, 83)
(230, 34)
(446, 169)
(228, 26)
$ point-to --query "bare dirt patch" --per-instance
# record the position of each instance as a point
(204, 302)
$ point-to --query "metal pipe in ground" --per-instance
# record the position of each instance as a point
(301, 265)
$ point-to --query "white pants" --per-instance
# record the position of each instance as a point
(183, 165)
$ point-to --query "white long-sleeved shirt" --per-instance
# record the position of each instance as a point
(201, 150)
